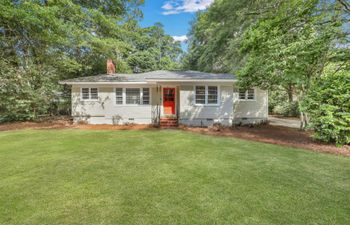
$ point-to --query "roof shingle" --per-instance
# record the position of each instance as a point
(152, 76)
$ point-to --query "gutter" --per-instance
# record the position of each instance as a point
(75, 82)
(188, 80)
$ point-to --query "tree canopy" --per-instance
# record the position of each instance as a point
(43, 41)
(293, 45)
(273, 44)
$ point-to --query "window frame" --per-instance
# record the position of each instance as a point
(140, 96)
(206, 95)
(217, 95)
(246, 95)
(124, 96)
(89, 99)
(195, 95)
(115, 95)
(149, 96)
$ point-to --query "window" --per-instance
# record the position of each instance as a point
(200, 94)
(89, 93)
(132, 96)
(145, 96)
(250, 94)
(242, 94)
(169, 94)
(247, 94)
(93, 93)
(212, 95)
(206, 95)
(119, 96)
(85, 93)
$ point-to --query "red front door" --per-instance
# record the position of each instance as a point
(169, 101)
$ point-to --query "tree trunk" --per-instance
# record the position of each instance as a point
(302, 121)
(303, 116)
(290, 93)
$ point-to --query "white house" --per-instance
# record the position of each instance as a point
(166, 97)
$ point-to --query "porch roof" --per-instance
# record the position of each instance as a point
(154, 76)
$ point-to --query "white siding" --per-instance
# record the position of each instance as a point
(247, 111)
(203, 115)
(229, 110)
(105, 111)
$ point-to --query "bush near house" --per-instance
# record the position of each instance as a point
(328, 104)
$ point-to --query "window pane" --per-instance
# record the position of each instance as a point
(85, 93)
(250, 94)
(242, 94)
(119, 96)
(169, 95)
(93, 93)
(145, 99)
(212, 94)
(200, 94)
(132, 96)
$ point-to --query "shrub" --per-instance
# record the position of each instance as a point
(328, 105)
(27, 93)
(286, 109)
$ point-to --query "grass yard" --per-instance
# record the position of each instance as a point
(166, 177)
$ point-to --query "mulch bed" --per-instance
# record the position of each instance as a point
(65, 123)
(266, 133)
(56, 124)
(285, 136)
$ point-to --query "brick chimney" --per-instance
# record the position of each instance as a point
(110, 67)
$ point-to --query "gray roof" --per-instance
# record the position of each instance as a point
(151, 76)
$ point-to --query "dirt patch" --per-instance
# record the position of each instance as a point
(276, 135)
(268, 134)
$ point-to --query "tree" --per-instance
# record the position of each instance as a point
(273, 44)
(328, 103)
(291, 45)
(215, 35)
(26, 94)
(155, 50)
(42, 42)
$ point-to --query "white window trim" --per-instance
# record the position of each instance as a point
(115, 96)
(206, 95)
(124, 96)
(246, 96)
(89, 100)
(149, 93)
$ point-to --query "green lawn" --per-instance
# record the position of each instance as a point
(166, 177)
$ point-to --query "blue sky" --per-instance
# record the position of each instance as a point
(175, 15)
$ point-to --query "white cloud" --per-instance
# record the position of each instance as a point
(182, 38)
(167, 6)
(185, 6)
